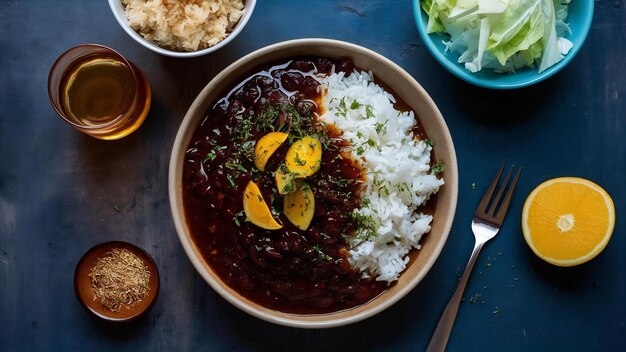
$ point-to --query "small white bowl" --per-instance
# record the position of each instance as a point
(118, 11)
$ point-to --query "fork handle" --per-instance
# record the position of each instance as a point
(439, 340)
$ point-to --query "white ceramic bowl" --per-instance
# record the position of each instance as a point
(118, 11)
(408, 90)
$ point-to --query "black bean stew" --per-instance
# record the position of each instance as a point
(290, 270)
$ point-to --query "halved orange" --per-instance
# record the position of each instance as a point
(568, 220)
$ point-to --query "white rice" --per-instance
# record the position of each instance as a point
(399, 179)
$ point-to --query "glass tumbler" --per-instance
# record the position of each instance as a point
(99, 92)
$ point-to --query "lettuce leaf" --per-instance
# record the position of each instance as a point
(502, 34)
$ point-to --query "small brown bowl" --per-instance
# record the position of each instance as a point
(85, 292)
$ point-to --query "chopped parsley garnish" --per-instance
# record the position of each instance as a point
(297, 125)
(299, 161)
(381, 127)
(382, 185)
(230, 179)
(289, 184)
(438, 168)
(320, 254)
(289, 187)
(322, 137)
(355, 105)
(217, 146)
(243, 129)
(210, 156)
(238, 167)
(342, 103)
(402, 187)
(428, 142)
(366, 226)
(369, 113)
(342, 109)
(247, 150)
(265, 120)
(213, 153)
(276, 205)
(237, 216)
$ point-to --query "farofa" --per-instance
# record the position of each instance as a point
(183, 25)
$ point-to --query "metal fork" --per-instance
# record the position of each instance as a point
(487, 221)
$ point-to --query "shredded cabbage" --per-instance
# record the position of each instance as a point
(503, 35)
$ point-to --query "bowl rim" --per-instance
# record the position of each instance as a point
(297, 320)
(467, 76)
(121, 19)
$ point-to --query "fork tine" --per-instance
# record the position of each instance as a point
(507, 199)
(482, 206)
(496, 200)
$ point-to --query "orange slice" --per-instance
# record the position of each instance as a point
(304, 157)
(299, 207)
(567, 221)
(266, 146)
(256, 209)
(285, 180)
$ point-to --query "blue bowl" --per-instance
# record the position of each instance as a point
(579, 19)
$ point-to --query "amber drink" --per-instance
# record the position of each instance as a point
(99, 92)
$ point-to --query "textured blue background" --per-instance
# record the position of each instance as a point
(58, 189)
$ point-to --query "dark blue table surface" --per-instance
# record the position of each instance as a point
(58, 190)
